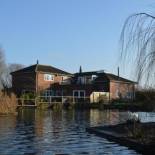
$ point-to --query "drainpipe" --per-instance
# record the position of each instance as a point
(118, 80)
(36, 72)
(118, 71)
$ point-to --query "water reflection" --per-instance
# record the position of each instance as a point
(39, 132)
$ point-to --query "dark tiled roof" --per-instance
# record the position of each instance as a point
(118, 78)
(42, 68)
(50, 69)
(26, 69)
(108, 75)
(89, 73)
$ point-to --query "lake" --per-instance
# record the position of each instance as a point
(38, 132)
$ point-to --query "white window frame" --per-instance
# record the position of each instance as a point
(48, 93)
(79, 93)
(46, 76)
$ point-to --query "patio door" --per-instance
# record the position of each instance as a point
(79, 93)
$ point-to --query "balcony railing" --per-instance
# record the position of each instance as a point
(65, 82)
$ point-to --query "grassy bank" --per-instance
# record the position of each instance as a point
(8, 104)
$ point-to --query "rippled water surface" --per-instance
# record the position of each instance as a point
(35, 132)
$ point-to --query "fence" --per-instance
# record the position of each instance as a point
(62, 99)
(52, 99)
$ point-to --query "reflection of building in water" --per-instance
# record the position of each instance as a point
(54, 124)
(105, 117)
(116, 116)
(39, 123)
(7, 123)
(97, 117)
(34, 117)
(82, 116)
(113, 116)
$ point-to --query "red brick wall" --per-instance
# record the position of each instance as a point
(43, 84)
(121, 87)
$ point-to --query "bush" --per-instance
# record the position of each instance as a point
(145, 95)
(147, 99)
(28, 96)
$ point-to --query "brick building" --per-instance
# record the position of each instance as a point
(37, 78)
(85, 83)
(50, 81)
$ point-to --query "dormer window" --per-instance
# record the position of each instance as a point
(48, 77)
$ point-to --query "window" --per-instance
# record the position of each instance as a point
(94, 77)
(82, 93)
(59, 93)
(65, 80)
(76, 93)
(79, 93)
(81, 80)
(48, 93)
(48, 77)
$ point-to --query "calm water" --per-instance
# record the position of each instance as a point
(35, 132)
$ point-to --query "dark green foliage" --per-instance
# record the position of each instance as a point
(145, 95)
(28, 96)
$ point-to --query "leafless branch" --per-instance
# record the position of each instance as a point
(138, 45)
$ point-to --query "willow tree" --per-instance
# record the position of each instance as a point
(138, 46)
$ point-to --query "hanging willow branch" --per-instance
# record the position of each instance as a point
(138, 45)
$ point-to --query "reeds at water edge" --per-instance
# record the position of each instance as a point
(8, 103)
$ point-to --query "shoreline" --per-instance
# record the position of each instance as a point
(116, 133)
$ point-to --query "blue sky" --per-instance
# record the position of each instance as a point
(66, 33)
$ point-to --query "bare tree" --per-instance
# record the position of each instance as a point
(2, 67)
(11, 68)
(138, 45)
(5, 70)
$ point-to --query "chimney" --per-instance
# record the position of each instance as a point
(80, 70)
(118, 71)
